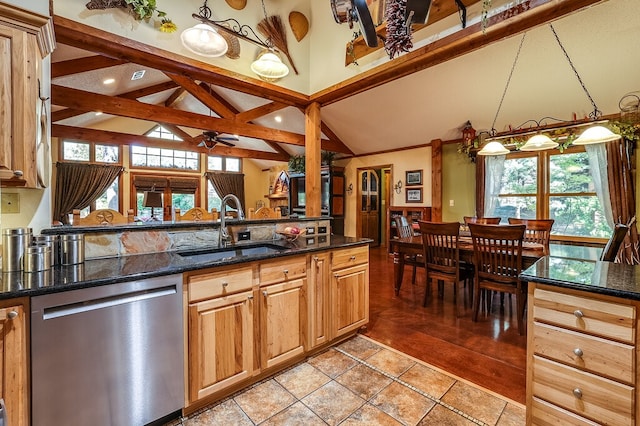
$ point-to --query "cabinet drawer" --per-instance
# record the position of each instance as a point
(281, 270)
(219, 283)
(545, 414)
(606, 319)
(349, 257)
(586, 394)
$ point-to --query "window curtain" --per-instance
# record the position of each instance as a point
(228, 183)
(597, 154)
(79, 185)
(493, 170)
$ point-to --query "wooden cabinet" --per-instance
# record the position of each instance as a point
(332, 196)
(318, 299)
(414, 214)
(282, 310)
(581, 358)
(349, 290)
(13, 362)
(221, 330)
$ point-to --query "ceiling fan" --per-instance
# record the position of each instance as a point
(211, 138)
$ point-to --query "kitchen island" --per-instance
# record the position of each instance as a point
(582, 342)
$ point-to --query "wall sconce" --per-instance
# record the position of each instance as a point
(350, 189)
(398, 187)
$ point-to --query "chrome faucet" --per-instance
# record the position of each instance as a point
(223, 235)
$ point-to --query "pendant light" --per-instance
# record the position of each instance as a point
(269, 67)
(493, 148)
(202, 39)
(539, 142)
(596, 134)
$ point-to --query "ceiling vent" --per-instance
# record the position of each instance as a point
(138, 75)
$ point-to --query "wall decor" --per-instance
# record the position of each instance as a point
(414, 195)
(414, 177)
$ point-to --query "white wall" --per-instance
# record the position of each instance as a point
(38, 6)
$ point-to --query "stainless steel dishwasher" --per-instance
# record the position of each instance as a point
(108, 355)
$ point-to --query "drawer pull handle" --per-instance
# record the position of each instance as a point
(12, 315)
(225, 284)
(250, 297)
(286, 271)
(352, 258)
(578, 313)
(316, 258)
(265, 293)
(577, 393)
(578, 352)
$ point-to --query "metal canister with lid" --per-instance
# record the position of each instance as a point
(14, 244)
(51, 241)
(37, 258)
(72, 249)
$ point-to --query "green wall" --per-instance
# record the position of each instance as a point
(458, 184)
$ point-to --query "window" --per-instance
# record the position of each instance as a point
(213, 199)
(568, 196)
(162, 133)
(223, 164)
(142, 156)
(90, 152)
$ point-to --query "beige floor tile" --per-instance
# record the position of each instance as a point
(360, 347)
(363, 381)
(475, 402)
(391, 362)
(264, 400)
(226, 413)
(402, 403)
(428, 380)
(332, 363)
(302, 380)
(440, 416)
(295, 415)
(513, 415)
(333, 402)
(369, 415)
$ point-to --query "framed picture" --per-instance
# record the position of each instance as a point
(414, 195)
(414, 177)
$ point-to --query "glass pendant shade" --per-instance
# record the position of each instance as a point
(204, 40)
(269, 67)
(596, 134)
(539, 143)
(493, 148)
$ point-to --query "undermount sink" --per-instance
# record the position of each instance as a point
(227, 253)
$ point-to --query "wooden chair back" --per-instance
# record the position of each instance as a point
(102, 217)
(482, 220)
(440, 247)
(197, 214)
(537, 230)
(264, 213)
(404, 227)
(610, 251)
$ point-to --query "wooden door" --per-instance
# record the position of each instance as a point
(13, 363)
(220, 343)
(350, 299)
(281, 322)
(369, 193)
(318, 299)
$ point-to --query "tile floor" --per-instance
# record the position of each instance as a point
(361, 382)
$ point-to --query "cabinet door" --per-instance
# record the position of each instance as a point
(220, 343)
(349, 299)
(282, 321)
(318, 300)
(13, 359)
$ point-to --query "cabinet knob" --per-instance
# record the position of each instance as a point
(577, 393)
(578, 313)
(12, 315)
(265, 294)
(225, 284)
(250, 297)
(316, 258)
(352, 258)
(286, 271)
(578, 352)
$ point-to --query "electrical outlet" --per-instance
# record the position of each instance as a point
(451, 203)
(244, 235)
(10, 203)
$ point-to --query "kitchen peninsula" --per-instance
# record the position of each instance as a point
(582, 346)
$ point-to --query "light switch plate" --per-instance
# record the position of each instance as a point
(10, 203)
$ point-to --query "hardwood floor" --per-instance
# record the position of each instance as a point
(489, 352)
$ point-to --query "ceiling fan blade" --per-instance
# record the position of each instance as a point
(225, 142)
(227, 138)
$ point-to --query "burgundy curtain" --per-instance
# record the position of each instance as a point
(79, 185)
(228, 183)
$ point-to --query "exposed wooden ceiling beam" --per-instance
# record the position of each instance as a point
(173, 98)
(76, 66)
(203, 94)
(117, 138)
(79, 99)
(178, 132)
(257, 112)
(333, 137)
(517, 19)
(92, 39)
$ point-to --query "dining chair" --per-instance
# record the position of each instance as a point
(497, 252)
(537, 230)
(442, 256)
(610, 250)
(102, 217)
(405, 229)
(196, 214)
(482, 220)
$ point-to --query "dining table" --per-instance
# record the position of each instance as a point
(401, 247)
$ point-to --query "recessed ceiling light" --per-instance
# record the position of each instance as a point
(109, 81)
(137, 75)
(278, 119)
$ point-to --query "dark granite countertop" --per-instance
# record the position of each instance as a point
(96, 272)
(613, 279)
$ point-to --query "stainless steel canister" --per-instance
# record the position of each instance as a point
(14, 244)
(52, 241)
(37, 258)
(72, 248)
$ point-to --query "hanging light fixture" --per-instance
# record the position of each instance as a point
(493, 148)
(203, 39)
(269, 67)
(539, 142)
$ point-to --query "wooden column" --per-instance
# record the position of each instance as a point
(312, 160)
(436, 180)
